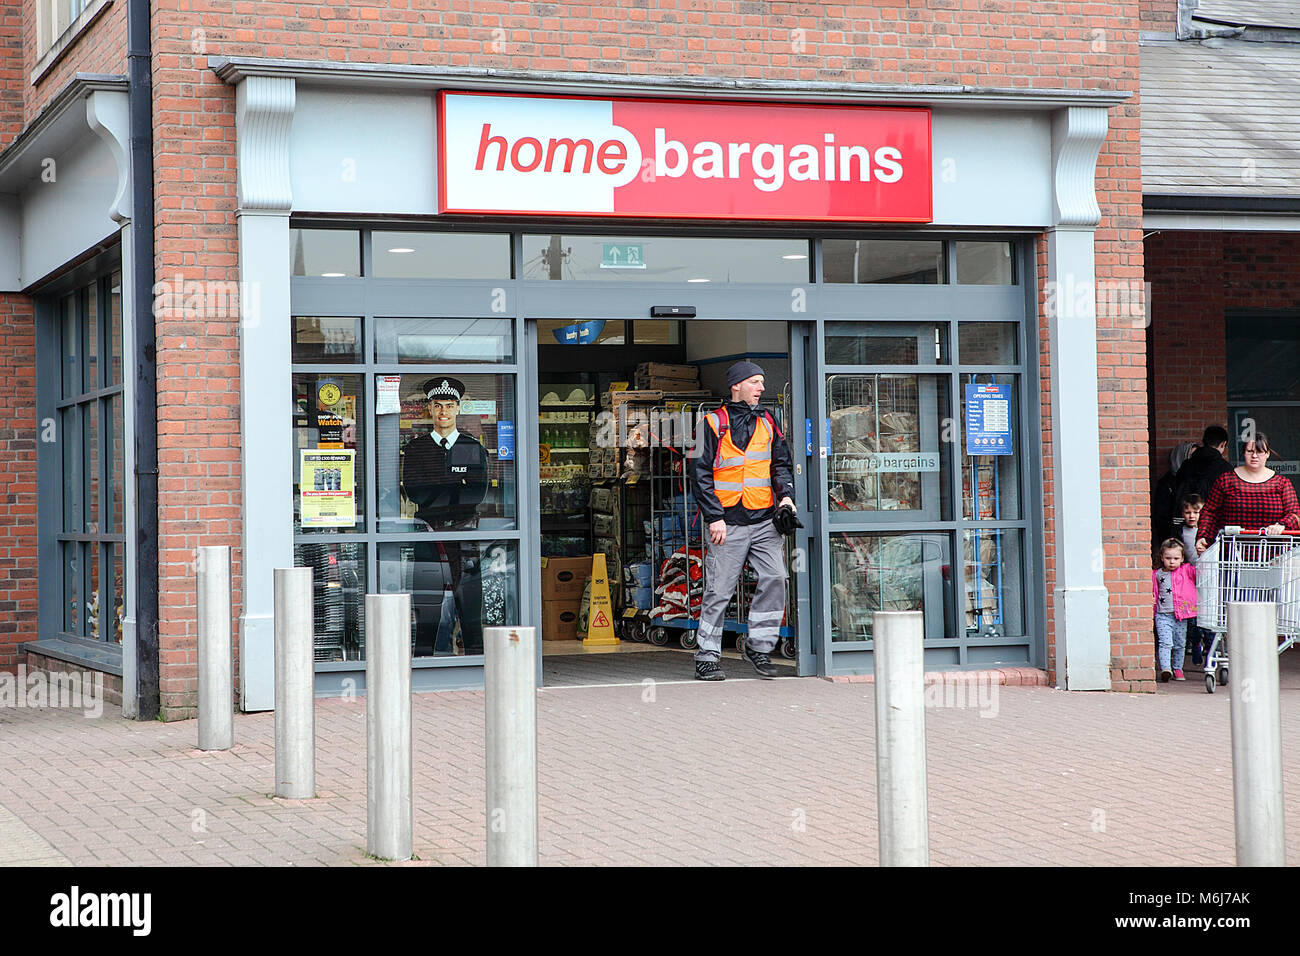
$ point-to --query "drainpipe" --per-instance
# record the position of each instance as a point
(140, 104)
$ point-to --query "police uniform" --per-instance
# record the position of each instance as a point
(446, 477)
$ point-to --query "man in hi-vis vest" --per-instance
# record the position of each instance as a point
(743, 476)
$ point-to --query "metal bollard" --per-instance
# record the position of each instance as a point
(902, 806)
(1256, 735)
(295, 702)
(510, 673)
(216, 683)
(389, 810)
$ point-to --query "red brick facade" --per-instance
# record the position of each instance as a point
(18, 437)
(999, 43)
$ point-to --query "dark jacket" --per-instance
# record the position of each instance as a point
(1199, 472)
(741, 426)
(447, 486)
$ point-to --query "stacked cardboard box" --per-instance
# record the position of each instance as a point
(667, 378)
(563, 580)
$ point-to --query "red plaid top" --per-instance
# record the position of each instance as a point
(1250, 505)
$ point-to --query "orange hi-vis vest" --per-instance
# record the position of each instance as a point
(743, 476)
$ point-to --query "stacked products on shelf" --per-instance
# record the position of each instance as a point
(563, 582)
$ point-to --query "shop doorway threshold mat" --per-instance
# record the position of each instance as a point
(585, 670)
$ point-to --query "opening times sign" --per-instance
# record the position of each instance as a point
(988, 420)
(502, 153)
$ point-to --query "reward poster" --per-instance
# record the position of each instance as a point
(328, 488)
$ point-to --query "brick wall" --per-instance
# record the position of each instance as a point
(101, 48)
(999, 43)
(17, 476)
(11, 61)
(1158, 15)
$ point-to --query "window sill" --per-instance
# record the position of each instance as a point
(68, 39)
(107, 659)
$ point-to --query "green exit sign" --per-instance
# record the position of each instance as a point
(621, 255)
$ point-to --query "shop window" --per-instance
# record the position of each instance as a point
(889, 572)
(338, 585)
(422, 486)
(89, 538)
(886, 343)
(574, 332)
(452, 341)
(894, 261)
(988, 343)
(329, 490)
(440, 255)
(656, 332)
(994, 589)
(991, 482)
(457, 588)
(666, 259)
(888, 451)
(325, 253)
(326, 340)
(985, 263)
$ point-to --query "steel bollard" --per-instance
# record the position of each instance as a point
(295, 702)
(510, 673)
(902, 805)
(216, 682)
(389, 809)
(1256, 735)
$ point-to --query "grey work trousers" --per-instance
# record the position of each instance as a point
(765, 549)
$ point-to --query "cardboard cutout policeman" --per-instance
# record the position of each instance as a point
(445, 474)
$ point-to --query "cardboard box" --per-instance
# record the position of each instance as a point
(615, 399)
(663, 370)
(564, 577)
(560, 619)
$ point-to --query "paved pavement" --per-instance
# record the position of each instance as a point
(745, 772)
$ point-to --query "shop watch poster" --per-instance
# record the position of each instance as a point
(327, 484)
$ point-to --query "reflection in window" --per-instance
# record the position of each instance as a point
(319, 340)
(985, 263)
(457, 341)
(889, 572)
(987, 343)
(329, 453)
(457, 588)
(990, 484)
(665, 259)
(994, 597)
(886, 453)
(440, 255)
(886, 343)
(327, 253)
(905, 261)
(338, 585)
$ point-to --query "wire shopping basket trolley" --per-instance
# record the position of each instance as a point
(1246, 566)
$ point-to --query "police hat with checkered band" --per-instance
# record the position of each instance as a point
(443, 387)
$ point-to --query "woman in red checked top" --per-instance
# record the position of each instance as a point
(1252, 497)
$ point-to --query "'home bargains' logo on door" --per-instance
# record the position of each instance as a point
(682, 159)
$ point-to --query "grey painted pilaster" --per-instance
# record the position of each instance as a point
(107, 114)
(1081, 601)
(263, 118)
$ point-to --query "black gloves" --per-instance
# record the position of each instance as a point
(786, 520)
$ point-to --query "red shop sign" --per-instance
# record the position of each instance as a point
(501, 153)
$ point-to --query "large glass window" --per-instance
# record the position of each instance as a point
(440, 255)
(405, 473)
(893, 261)
(91, 539)
(666, 259)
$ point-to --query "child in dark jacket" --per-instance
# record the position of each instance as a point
(1173, 586)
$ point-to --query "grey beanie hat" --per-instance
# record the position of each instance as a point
(741, 371)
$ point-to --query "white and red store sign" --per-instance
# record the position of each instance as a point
(682, 159)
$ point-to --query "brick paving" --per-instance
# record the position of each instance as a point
(744, 772)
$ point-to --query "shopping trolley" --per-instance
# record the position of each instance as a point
(1246, 566)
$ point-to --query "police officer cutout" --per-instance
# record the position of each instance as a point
(741, 470)
(445, 474)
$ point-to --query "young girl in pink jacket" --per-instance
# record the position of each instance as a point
(1173, 585)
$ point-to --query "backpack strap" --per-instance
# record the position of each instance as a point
(721, 424)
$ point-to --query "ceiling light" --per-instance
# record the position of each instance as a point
(401, 250)
(699, 280)
(797, 255)
(331, 275)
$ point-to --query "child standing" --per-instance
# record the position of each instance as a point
(1190, 508)
(1173, 586)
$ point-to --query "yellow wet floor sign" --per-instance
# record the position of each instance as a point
(600, 615)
